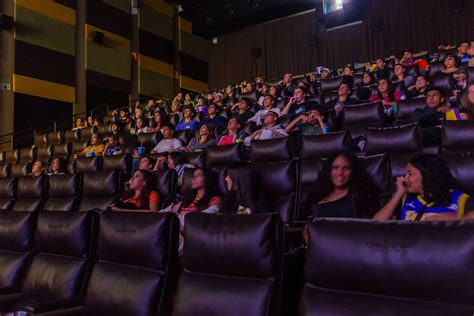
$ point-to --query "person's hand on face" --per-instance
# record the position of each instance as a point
(401, 185)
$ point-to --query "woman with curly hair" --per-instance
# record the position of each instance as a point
(427, 192)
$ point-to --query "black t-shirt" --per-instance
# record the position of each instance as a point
(244, 117)
(297, 109)
(338, 208)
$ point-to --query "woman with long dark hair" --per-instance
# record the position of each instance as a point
(244, 194)
(428, 191)
(388, 96)
(142, 196)
(344, 189)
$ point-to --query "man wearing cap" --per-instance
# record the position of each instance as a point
(430, 117)
(311, 122)
(217, 98)
(268, 105)
(270, 129)
(297, 103)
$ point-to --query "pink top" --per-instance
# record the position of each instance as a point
(375, 97)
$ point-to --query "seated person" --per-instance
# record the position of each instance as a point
(213, 118)
(124, 116)
(141, 126)
(205, 197)
(146, 163)
(419, 88)
(270, 128)
(268, 105)
(429, 118)
(400, 76)
(467, 103)
(242, 111)
(244, 194)
(113, 147)
(188, 121)
(230, 97)
(201, 106)
(57, 166)
(168, 143)
(175, 108)
(159, 120)
(388, 96)
(142, 196)
(381, 71)
(79, 124)
(96, 148)
(189, 100)
(38, 168)
(233, 134)
(298, 104)
(175, 160)
(116, 128)
(204, 139)
(217, 98)
(363, 88)
(310, 123)
(463, 51)
(452, 65)
(139, 113)
(288, 85)
(427, 192)
(343, 92)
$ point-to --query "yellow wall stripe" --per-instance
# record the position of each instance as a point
(51, 9)
(185, 25)
(193, 85)
(43, 89)
(155, 65)
(159, 5)
(111, 40)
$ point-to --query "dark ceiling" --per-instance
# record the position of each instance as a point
(216, 17)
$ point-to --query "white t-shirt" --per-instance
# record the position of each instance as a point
(258, 117)
(167, 145)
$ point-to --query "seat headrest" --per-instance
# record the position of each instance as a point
(63, 186)
(138, 239)
(396, 139)
(395, 258)
(166, 181)
(72, 135)
(270, 150)
(121, 162)
(461, 166)
(362, 113)
(5, 170)
(458, 135)
(16, 230)
(444, 81)
(324, 145)
(232, 245)
(19, 170)
(330, 84)
(55, 137)
(406, 107)
(221, 156)
(251, 95)
(149, 139)
(8, 188)
(64, 233)
(378, 168)
(196, 158)
(101, 184)
(88, 164)
(31, 187)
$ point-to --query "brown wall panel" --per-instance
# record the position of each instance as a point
(156, 46)
(194, 68)
(104, 81)
(43, 63)
(109, 18)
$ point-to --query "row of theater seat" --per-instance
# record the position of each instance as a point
(64, 263)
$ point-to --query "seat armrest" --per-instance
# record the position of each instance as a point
(36, 307)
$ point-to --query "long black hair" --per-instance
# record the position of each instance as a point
(210, 190)
(437, 180)
(150, 183)
(361, 187)
(390, 88)
(245, 188)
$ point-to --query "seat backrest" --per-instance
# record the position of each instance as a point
(16, 242)
(458, 136)
(12, 156)
(251, 95)
(196, 158)
(124, 239)
(378, 168)
(87, 132)
(336, 261)
(470, 74)
(8, 188)
(88, 164)
(55, 137)
(45, 153)
(105, 129)
(436, 67)
(412, 70)
(406, 108)
(19, 170)
(461, 165)
(219, 157)
(166, 184)
(149, 140)
(330, 84)
(185, 136)
(100, 189)
(63, 150)
(62, 249)
(77, 147)
(444, 81)
(63, 192)
(72, 135)
(324, 145)
(41, 140)
(30, 193)
(268, 150)
(5, 169)
(121, 162)
(216, 273)
(356, 118)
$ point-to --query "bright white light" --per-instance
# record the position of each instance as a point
(338, 4)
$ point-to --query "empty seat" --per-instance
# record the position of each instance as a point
(196, 158)
(60, 264)
(63, 193)
(124, 280)
(401, 143)
(356, 118)
(63, 150)
(406, 108)
(88, 164)
(16, 242)
(444, 81)
(100, 189)
(219, 157)
(277, 173)
(330, 84)
(7, 193)
(77, 147)
(55, 138)
(166, 185)
(461, 165)
(45, 153)
(19, 170)
(219, 280)
(121, 162)
(12, 156)
(379, 271)
(72, 135)
(378, 168)
(149, 140)
(27, 154)
(458, 136)
(41, 140)
(185, 136)
(31, 192)
(87, 132)
(436, 67)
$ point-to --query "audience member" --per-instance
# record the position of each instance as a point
(175, 108)
(159, 120)
(343, 99)
(146, 163)
(268, 105)
(79, 124)
(57, 166)
(175, 160)
(427, 192)
(168, 143)
(217, 100)
(140, 126)
(142, 196)
(213, 118)
(467, 103)
(244, 193)
(270, 128)
(310, 123)
(382, 71)
(124, 116)
(189, 100)
(287, 85)
(96, 147)
(90, 121)
(233, 134)
(463, 51)
(298, 104)
(230, 98)
(388, 96)
(204, 139)
(187, 121)
(201, 106)
(419, 88)
(38, 168)
(364, 88)
(113, 146)
(242, 111)
(179, 98)
(452, 65)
